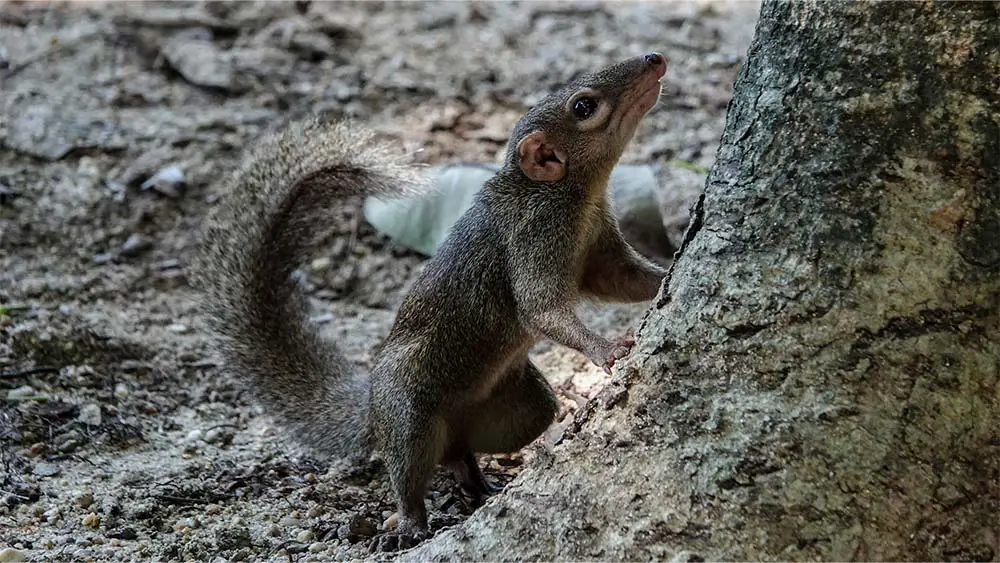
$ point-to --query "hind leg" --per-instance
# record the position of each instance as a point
(518, 411)
(412, 447)
(462, 463)
(521, 407)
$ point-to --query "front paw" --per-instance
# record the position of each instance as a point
(619, 350)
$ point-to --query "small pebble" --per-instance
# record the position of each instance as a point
(222, 436)
(167, 181)
(229, 539)
(20, 393)
(69, 446)
(193, 436)
(45, 469)
(305, 535)
(186, 523)
(321, 319)
(363, 526)
(11, 555)
(135, 245)
(168, 264)
(178, 328)
(317, 547)
(390, 522)
(122, 534)
(685, 557)
(90, 414)
(110, 506)
(91, 520)
(320, 264)
(315, 512)
(357, 529)
(948, 494)
(51, 515)
(274, 531)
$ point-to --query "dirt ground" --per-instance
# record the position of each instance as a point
(120, 437)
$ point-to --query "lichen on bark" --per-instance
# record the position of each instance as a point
(820, 377)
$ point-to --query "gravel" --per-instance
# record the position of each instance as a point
(135, 445)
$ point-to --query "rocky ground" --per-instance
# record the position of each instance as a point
(120, 438)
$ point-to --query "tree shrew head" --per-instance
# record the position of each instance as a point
(581, 129)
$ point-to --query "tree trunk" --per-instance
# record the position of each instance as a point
(819, 377)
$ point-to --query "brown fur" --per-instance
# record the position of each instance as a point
(453, 377)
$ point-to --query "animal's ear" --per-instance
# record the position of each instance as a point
(539, 159)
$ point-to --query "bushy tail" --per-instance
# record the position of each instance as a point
(276, 210)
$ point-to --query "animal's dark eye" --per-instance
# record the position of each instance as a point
(584, 108)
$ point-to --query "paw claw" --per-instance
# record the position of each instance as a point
(621, 349)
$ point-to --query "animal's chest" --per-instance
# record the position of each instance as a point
(589, 231)
(496, 373)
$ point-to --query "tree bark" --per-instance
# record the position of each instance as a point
(820, 375)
